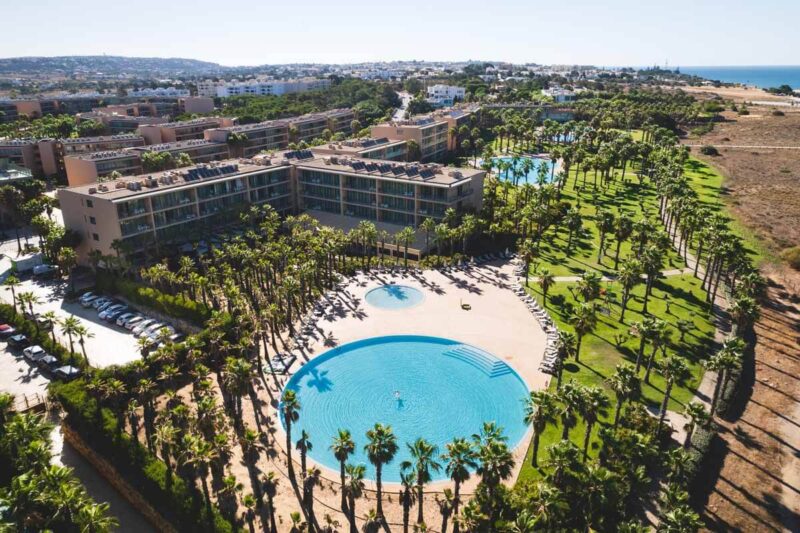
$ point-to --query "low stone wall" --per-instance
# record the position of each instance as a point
(110, 474)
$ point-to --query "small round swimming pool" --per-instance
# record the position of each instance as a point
(394, 297)
(524, 169)
(428, 387)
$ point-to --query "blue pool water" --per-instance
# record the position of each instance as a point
(518, 177)
(394, 297)
(446, 389)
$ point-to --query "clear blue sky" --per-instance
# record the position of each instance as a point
(611, 32)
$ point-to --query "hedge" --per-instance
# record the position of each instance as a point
(39, 336)
(178, 503)
(177, 306)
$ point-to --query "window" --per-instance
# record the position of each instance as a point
(89, 203)
(95, 236)
(92, 220)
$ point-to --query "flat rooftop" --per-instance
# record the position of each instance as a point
(355, 146)
(105, 154)
(179, 145)
(103, 138)
(187, 123)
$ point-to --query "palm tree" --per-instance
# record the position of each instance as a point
(565, 348)
(342, 448)
(423, 454)
(698, 417)
(70, 327)
(546, 280)
(623, 227)
(445, 504)
(592, 407)
(495, 463)
(94, 518)
(355, 488)
(290, 407)
(249, 503)
(30, 299)
(589, 285)
(11, 283)
(381, 449)
(674, 370)
(459, 460)
(540, 410)
(51, 317)
(583, 320)
(570, 396)
(626, 386)
(628, 277)
(406, 235)
(83, 334)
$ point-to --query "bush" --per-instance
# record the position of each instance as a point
(778, 113)
(178, 503)
(792, 256)
(700, 445)
(709, 150)
(173, 305)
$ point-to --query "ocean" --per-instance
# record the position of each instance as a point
(761, 76)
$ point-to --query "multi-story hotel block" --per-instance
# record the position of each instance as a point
(8, 111)
(368, 148)
(200, 150)
(445, 95)
(433, 133)
(311, 126)
(166, 208)
(116, 123)
(82, 169)
(38, 156)
(269, 135)
(261, 87)
(181, 131)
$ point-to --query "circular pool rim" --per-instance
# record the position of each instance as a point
(365, 342)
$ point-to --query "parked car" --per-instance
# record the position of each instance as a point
(48, 362)
(102, 307)
(175, 338)
(33, 353)
(124, 317)
(44, 323)
(134, 322)
(6, 331)
(112, 316)
(67, 373)
(103, 300)
(141, 326)
(42, 271)
(18, 341)
(110, 309)
(156, 333)
(88, 301)
(146, 331)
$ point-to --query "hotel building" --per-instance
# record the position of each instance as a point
(167, 208)
(200, 150)
(445, 95)
(432, 132)
(260, 87)
(83, 169)
(181, 131)
(367, 149)
(36, 155)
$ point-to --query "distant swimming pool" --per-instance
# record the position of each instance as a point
(518, 175)
(394, 297)
(427, 387)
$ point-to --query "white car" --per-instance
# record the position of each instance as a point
(43, 270)
(100, 302)
(155, 326)
(141, 326)
(87, 301)
(155, 334)
(34, 353)
(124, 317)
(133, 322)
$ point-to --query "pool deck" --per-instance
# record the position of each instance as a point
(498, 322)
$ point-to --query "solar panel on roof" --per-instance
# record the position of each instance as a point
(426, 173)
(411, 171)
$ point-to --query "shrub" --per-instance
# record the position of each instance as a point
(792, 256)
(709, 150)
(173, 305)
(178, 503)
(39, 336)
(778, 113)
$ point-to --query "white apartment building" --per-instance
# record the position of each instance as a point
(260, 87)
(445, 95)
(559, 95)
(169, 92)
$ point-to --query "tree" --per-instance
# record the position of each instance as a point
(570, 397)
(94, 518)
(698, 417)
(381, 449)
(626, 386)
(495, 463)
(342, 448)
(459, 459)
(589, 285)
(592, 406)
(290, 407)
(623, 228)
(83, 334)
(540, 410)
(406, 235)
(583, 321)
(605, 225)
(423, 455)
(546, 280)
(11, 283)
(565, 348)
(674, 370)
(628, 277)
(70, 326)
(355, 488)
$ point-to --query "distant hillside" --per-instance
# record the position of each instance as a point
(114, 65)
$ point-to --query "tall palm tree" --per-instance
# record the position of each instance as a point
(423, 455)
(304, 446)
(629, 275)
(546, 280)
(70, 327)
(698, 417)
(342, 448)
(11, 283)
(290, 407)
(592, 407)
(495, 464)
(570, 397)
(381, 449)
(626, 386)
(675, 370)
(459, 459)
(565, 348)
(540, 410)
(83, 334)
(584, 321)
(407, 498)
(355, 488)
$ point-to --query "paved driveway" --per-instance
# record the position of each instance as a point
(110, 344)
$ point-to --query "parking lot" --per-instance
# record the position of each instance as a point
(107, 344)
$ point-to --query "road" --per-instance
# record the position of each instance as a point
(400, 114)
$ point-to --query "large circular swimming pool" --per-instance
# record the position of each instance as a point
(428, 387)
(394, 297)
